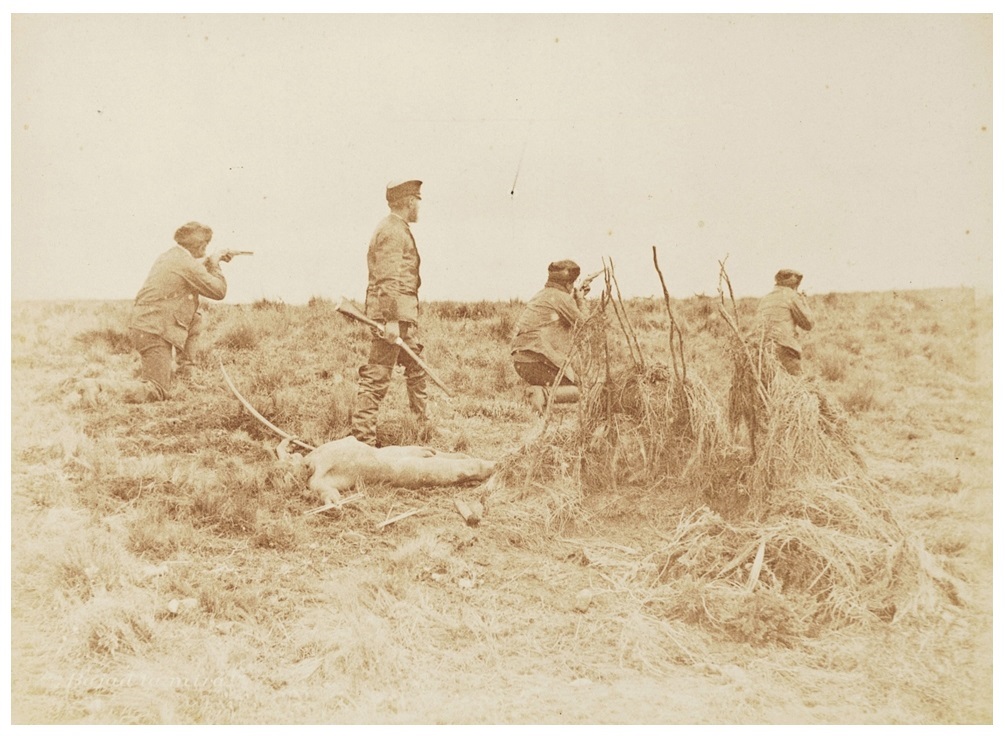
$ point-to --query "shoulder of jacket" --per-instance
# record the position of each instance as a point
(391, 225)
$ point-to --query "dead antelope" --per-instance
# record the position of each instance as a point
(338, 466)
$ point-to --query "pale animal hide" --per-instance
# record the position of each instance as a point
(339, 466)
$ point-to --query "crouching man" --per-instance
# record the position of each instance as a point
(543, 340)
(780, 314)
(165, 322)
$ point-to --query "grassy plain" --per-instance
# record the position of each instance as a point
(163, 570)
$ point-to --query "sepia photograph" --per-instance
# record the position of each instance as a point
(501, 368)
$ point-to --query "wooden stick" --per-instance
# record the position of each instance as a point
(755, 570)
(396, 518)
(333, 505)
(673, 324)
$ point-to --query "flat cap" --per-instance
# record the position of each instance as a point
(566, 266)
(398, 190)
(192, 231)
(784, 276)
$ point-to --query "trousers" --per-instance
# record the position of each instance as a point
(375, 378)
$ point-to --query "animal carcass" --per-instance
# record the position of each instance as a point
(338, 466)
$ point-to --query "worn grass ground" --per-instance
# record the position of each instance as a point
(163, 572)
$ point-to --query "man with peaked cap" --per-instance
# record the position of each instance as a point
(165, 317)
(392, 298)
(779, 314)
(543, 340)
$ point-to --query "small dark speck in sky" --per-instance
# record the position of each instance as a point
(967, 232)
(556, 39)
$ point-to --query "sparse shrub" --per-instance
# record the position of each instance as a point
(860, 397)
(93, 565)
(111, 340)
(450, 310)
(49, 488)
(832, 364)
(266, 304)
(227, 509)
(239, 337)
(850, 343)
(402, 429)
(947, 356)
(113, 630)
(156, 536)
(281, 534)
(229, 600)
(503, 327)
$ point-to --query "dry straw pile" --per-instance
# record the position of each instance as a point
(769, 524)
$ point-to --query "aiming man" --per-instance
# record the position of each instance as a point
(543, 340)
(779, 314)
(165, 319)
(392, 298)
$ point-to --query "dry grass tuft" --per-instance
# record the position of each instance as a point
(795, 430)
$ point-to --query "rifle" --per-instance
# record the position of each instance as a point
(584, 285)
(347, 308)
(231, 253)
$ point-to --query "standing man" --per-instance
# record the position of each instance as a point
(392, 298)
(543, 340)
(779, 314)
(165, 318)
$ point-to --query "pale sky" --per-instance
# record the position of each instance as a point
(855, 148)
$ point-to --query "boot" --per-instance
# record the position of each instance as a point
(374, 380)
(415, 384)
(565, 393)
(537, 398)
(417, 395)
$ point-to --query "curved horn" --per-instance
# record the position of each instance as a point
(261, 418)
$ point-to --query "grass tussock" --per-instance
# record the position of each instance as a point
(112, 340)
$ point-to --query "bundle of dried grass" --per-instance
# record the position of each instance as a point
(667, 427)
(796, 431)
(832, 551)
